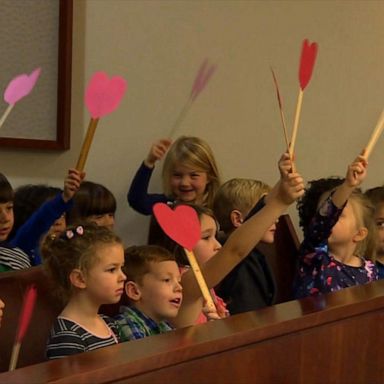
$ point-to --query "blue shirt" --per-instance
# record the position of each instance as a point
(134, 324)
(138, 197)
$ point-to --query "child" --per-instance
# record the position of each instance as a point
(153, 289)
(337, 238)
(190, 174)
(250, 285)
(216, 261)
(18, 253)
(94, 203)
(28, 198)
(376, 196)
(85, 262)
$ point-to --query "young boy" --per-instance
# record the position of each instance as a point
(153, 289)
(250, 285)
(376, 196)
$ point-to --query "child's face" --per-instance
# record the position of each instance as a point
(6, 219)
(105, 279)
(208, 245)
(345, 229)
(106, 220)
(379, 219)
(188, 185)
(160, 291)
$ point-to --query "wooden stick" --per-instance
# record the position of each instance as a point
(180, 118)
(200, 279)
(6, 113)
(375, 136)
(86, 144)
(14, 356)
(296, 123)
(282, 117)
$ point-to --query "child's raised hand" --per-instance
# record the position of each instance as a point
(356, 172)
(285, 164)
(72, 183)
(290, 188)
(157, 152)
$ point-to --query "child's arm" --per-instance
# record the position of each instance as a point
(237, 247)
(72, 184)
(157, 152)
(28, 235)
(356, 173)
(331, 208)
(138, 197)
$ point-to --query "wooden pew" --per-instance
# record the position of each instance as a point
(334, 338)
(282, 256)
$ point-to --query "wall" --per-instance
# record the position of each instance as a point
(158, 46)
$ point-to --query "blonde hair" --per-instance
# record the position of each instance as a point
(240, 194)
(75, 248)
(194, 153)
(364, 213)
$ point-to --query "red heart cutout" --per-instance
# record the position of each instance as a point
(307, 62)
(103, 95)
(181, 224)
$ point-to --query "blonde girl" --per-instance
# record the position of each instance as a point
(190, 175)
(338, 250)
(85, 263)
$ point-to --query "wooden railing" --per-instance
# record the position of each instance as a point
(335, 338)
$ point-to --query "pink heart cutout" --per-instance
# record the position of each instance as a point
(204, 73)
(103, 95)
(307, 62)
(21, 86)
(181, 224)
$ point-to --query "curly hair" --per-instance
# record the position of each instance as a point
(307, 206)
(76, 248)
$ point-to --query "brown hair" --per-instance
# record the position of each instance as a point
(138, 259)
(76, 248)
(6, 190)
(91, 199)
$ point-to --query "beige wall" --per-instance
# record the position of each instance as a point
(158, 46)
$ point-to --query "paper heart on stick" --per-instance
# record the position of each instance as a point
(21, 86)
(307, 62)
(103, 95)
(180, 224)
